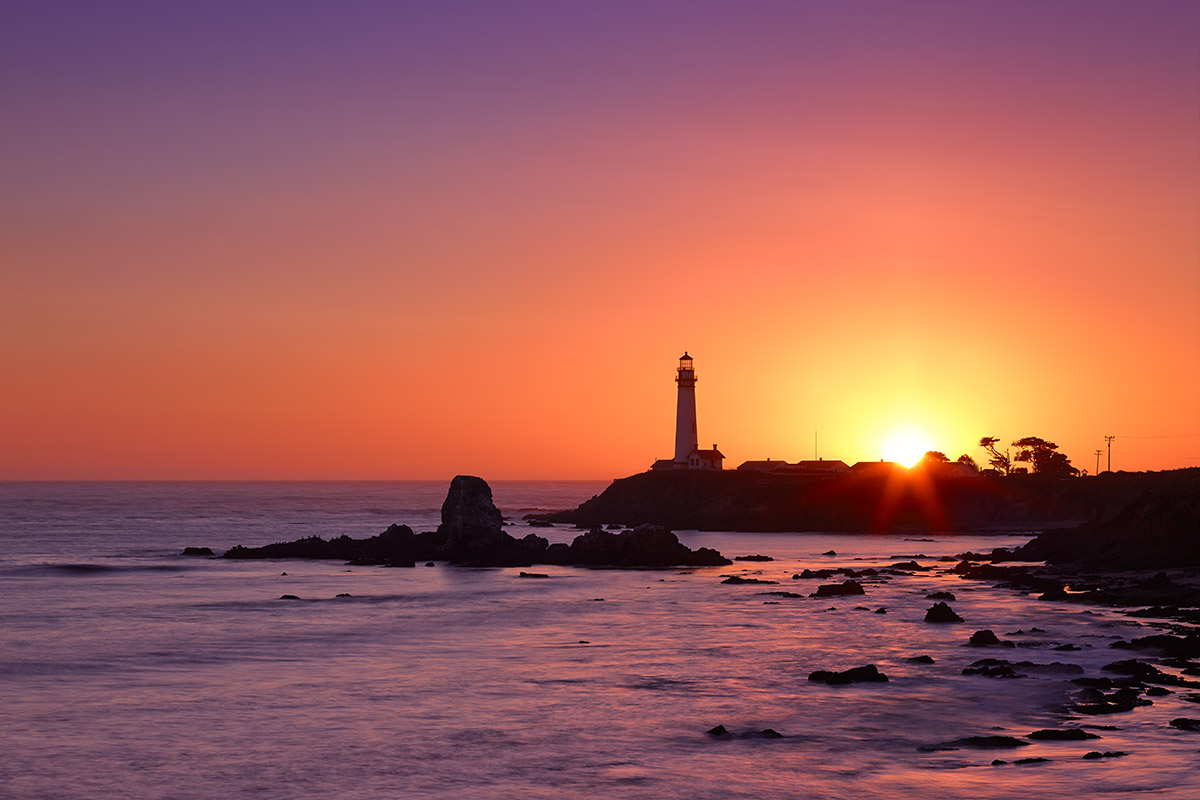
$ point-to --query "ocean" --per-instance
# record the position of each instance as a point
(130, 671)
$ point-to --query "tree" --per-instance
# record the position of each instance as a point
(1043, 457)
(999, 461)
(968, 462)
(934, 457)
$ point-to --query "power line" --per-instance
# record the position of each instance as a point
(1165, 436)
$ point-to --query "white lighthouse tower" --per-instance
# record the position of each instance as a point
(688, 454)
(686, 439)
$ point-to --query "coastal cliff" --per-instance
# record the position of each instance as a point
(884, 501)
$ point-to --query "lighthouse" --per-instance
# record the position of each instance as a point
(686, 439)
(688, 454)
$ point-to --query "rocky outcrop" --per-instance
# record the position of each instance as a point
(1158, 529)
(472, 534)
(760, 501)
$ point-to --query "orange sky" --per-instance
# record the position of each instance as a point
(409, 246)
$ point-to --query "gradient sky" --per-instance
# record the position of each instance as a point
(409, 240)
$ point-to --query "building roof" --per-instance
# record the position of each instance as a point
(762, 465)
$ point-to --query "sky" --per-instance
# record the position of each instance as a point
(377, 240)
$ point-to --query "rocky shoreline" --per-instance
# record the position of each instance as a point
(471, 534)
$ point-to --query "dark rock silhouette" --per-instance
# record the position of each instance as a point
(987, 638)
(839, 589)
(753, 558)
(1158, 528)
(1064, 735)
(940, 612)
(921, 660)
(197, 551)
(1094, 754)
(472, 534)
(738, 579)
(941, 596)
(982, 742)
(868, 674)
(1186, 724)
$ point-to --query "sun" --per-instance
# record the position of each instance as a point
(905, 446)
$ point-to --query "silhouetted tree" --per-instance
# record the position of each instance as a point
(1043, 457)
(999, 461)
(934, 457)
(967, 461)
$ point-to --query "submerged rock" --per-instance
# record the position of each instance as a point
(738, 579)
(982, 742)
(1186, 724)
(1064, 735)
(868, 674)
(839, 589)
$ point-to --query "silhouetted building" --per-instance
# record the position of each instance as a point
(819, 467)
(762, 466)
(688, 454)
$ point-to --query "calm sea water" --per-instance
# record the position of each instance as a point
(129, 671)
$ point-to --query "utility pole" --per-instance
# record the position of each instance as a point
(1109, 439)
(1098, 452)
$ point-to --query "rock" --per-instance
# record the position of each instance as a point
(532, 575)
(197, 551)
(1106, 754)
(1057, 593)
(540, 523)
(345, 594)
(910, 565)
(738, 579)
(921, 660)
(1066, 735)
(940, 612)
(1034, 760)
(839, 589)
(816, 573)
(430, 564)
(829, 553)
(1186, 724)
(982, 742)
(765, 733)
(753, 558)
(993, 668)
(784, 594)
(288, 597)
(881, 610)
(1094, 702)
(472, 534)
(1146, 673)
(643, 546)
(987, 638)
(868, 674)
(719, 732)
(940, 596)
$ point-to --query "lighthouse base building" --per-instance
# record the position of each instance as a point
(688, 454)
